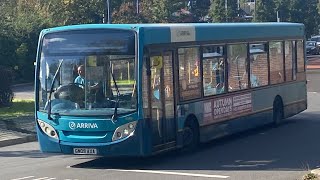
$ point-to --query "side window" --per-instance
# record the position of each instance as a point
(189, 73)
(213, 70)
(300, 56)
(237, 67)
(294, 60)
(258, 64)
(276, 62)
(288, 60)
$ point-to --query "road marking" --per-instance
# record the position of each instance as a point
(41, 178)
(27, 177)
(313, 92)
(174, 173)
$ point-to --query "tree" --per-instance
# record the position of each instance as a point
(232, 11)
(79, 11)
(224, 11)
(217, 11)
(265, 11)
(199, 9)
(162, 11)
(305, 12)
(22, 22)
(127, 13)
(283, 9)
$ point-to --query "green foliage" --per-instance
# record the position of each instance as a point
(282, 6)
(265, 11)
(310, 176)
(21, 21)
(217, 11)
(232, 11)
(220, 13)
(200, 9)
(6, 94)
(81, 11)
(305, 12)
(127, 13)
(17, 109)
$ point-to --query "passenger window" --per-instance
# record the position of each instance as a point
(258, 64)
(237, 66)
(288, 60)
(276, 62)
(300, 56)
(189, 73)
(213, 70)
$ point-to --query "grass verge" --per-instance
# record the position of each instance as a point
(18, 108)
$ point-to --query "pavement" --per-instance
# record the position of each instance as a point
(22, 129)
(313, 64)
(16, 131)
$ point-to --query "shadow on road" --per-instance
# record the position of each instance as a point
(291, 146)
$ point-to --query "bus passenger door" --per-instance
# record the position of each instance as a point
(162, 100)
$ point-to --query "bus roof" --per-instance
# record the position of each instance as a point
(188, 32)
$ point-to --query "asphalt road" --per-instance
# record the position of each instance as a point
(286, 152)
(282, 153)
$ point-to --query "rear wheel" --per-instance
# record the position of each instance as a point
(190, 135)
(277, 111)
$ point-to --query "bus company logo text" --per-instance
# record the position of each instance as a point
(73, 125)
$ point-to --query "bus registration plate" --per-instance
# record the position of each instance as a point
(84, 151)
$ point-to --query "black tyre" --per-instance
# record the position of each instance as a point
(190, 136)
(277, 111)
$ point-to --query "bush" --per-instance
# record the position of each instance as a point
(310, 176)
(6, 79)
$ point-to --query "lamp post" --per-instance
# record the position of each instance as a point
(255, 8)
(107, 13)
(226, 9)
(137, 6)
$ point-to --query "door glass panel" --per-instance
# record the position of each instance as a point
(156, 104)
(168, 96)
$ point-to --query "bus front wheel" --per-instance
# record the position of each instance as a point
(277, 111)
(190, 135)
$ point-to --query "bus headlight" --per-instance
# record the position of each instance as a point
(47, 129)
(124, 131)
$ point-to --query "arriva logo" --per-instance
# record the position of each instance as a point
(73, 125)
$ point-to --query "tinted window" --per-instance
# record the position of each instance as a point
(258, 64)
(189, 73)
(84, 42)
(288, 60)
(300, 56)
(276, 62)
(238, 76)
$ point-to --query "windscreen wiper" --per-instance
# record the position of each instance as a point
(115, 114)
(51, 90)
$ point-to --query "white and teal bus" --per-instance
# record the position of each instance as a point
(150, 88)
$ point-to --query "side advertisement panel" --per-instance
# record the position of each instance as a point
(227, 108)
